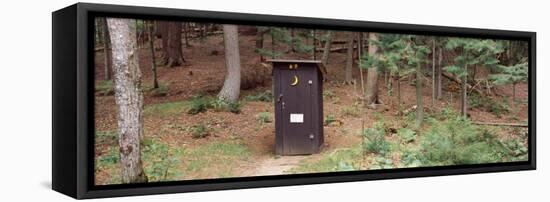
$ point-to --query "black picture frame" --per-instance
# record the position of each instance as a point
(73, 101)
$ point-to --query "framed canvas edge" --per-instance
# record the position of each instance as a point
(85, 122)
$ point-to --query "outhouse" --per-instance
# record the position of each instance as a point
(297, 90)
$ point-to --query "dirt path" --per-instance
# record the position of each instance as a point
(278, 165)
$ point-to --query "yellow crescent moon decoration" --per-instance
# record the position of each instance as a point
(295, 82)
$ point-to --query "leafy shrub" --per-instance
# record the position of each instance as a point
(457, 141)
(329, 119)
(264, 117)
(497, 107)
(328, 94)
(199, 131)
(374, 140)
(221, 105)
(410, 158)
(265, 96)
(515, 147)
(407, 135)
(382, 162)
(199, 104)
(161, 161)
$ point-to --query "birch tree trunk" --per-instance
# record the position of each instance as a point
(128, 97)
(231, 86)
(349, 59)
(372, 74)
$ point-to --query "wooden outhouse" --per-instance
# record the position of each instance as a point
(298, 87)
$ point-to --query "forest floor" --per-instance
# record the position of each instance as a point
(218, 143)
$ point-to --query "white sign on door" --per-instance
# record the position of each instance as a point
(296, 118)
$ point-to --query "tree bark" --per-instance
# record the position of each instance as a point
(106, 52)
(359, 52)
(372, 74)
(514, 94)
(419, 99)
(434, 90)
(328, 43)
(231, 87)
(398, 80)
(186, 35)
(260, 42)
(292, 45)
(153, 62)
(349, 59)
(314, 45)
(128, 97)
(464, 95)
(171, 43)
(439, 70)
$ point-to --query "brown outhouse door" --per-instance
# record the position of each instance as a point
(298, 107)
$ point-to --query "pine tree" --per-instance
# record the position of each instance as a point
(282, 36)
(511, 75)
(393, 59)
(474, 52)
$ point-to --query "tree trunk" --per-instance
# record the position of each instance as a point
(292, 45)
(439, 71)
(433, 75)
(231, 87)
(260, 43)
(372, 74)
(272, 43)
(106, 52)
(398, 80)
(97, 38)
(359, 51)
(326, 52)
(314, 45)
(128, 97)
(186, 35)
(464, 95)
(349, 59)
(153, 62)
(514, 94)
(171, 43)
(419, 99)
